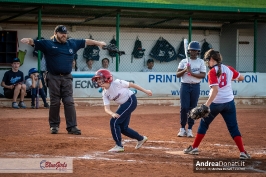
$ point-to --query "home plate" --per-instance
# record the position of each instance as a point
(176, 152)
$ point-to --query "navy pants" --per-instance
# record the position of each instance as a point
(189, 96)
(120, 125)
(228, 111)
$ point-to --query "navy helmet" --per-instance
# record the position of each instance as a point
(194, 45)
(33, 70)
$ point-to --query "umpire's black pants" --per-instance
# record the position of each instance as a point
(60, 87)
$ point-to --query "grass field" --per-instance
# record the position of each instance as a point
(225, 3)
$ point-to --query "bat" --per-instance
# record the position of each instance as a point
(186, 49)
(37, 90)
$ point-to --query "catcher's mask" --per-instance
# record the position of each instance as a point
(102, 76)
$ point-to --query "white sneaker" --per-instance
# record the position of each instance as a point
(140, 143)
(191, 150)
(117, 149)
(244, 155)
(189, 133)
(182, 132)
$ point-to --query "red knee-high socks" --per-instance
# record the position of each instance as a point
(237, 139)
(197, 140)
(239, 143)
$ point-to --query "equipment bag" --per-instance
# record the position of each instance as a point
(91, 52)
(181, 51)
(112, 53)
(204, 48)
(163, 51)
(138, 51)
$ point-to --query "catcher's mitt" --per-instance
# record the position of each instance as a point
(199, 112)
(113, 48)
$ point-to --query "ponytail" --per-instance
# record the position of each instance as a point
(219, 72)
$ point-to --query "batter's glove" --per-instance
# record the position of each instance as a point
(199, 112)
(113, 48)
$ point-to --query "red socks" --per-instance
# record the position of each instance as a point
(239, 143)
(237, 139)
(197, 140)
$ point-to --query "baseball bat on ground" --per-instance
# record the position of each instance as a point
(38, 95)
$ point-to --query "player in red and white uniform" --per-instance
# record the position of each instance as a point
(118, 91)
(220, 101)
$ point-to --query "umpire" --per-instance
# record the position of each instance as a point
(59, 53)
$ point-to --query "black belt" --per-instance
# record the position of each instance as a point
(61, 74)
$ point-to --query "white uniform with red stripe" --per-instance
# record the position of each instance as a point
(118, 91)
(225, 92)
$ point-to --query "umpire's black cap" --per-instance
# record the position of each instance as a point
(61, 29)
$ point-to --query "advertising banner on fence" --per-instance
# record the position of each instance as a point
(165, 84)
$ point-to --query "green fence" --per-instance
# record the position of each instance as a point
(239, 37)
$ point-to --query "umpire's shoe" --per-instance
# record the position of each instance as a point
(74, 131)
(54, 130)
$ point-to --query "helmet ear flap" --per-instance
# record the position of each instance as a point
(108, 79)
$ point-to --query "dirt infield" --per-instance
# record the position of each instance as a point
(25, 133)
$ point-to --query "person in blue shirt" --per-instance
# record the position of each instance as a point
(13, 84)
(59, 53)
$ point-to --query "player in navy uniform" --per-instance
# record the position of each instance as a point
(59, 53)
(13, 83)
(191, 71)
(118, 91)
(220, 101)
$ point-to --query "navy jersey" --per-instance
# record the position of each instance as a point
(12, 78)
(59, 56)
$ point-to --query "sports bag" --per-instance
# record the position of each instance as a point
(204, 48)
(91, 52)
(112, 53)
(181, 50)
(163, 51)
(138, 51)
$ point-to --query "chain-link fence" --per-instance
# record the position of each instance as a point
(241, 43)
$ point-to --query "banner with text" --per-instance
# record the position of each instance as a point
(165, 84)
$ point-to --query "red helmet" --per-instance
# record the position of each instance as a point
(102, 74)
